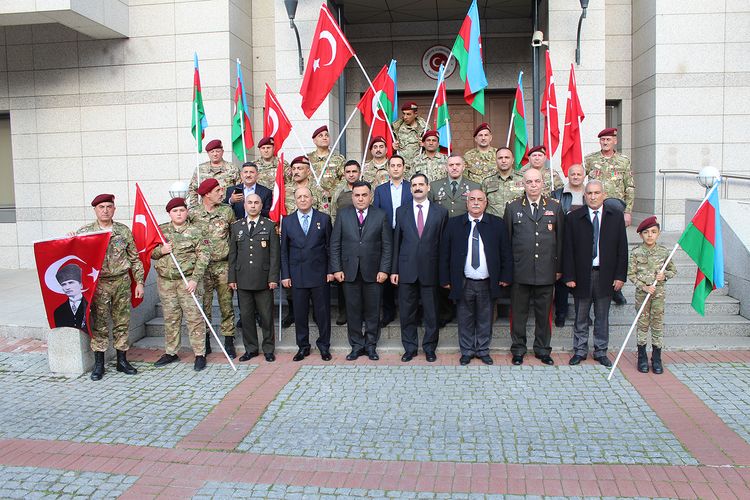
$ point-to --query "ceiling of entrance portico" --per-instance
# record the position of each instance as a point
(390, 11)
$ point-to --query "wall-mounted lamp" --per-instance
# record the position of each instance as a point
(291, 10)
(584, 6)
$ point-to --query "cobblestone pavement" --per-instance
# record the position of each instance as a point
(529, 414)
(156, 407)
(724, 387)
(42, 483)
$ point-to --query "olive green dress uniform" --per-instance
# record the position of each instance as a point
(254, 260)
(376, 174)
(226, 173)
(112, 296)
(548, 186)
(190, 249)
(409, 138)
(643, 266)
(441, 192)
(267, 171)
(433, 167)
(342, 197)
(500, 190)
(215, 226)
(333, 174)
(615, 175)
(480, 165)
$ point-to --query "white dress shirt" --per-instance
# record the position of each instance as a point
(595, 262)
(247, 191)
(396, 198)
(482, 272)
(425, 209)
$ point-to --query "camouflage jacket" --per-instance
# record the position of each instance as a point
(267, 172)
(500, 190)
(190, 248)
(342, 197)
(409, 138)
(319, 201)
(226, 173)
(375, 174)
(480, 165)
(645, 262)
(333, 174)
(433, 168)
(122, 254)
(215, 227)
(615, 174)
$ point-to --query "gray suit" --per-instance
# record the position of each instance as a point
(441, 193)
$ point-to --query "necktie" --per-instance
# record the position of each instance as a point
(74, 307)
(306, 223)
(420, 221)
(475, 245)
(595, 250)
(534, 207)
(361, 216)
(454, 187)
(251, 226)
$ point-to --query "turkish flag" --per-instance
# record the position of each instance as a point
(68, 270)
(278, 206)
(549, 110)
(329, 53)
(372, 112)
(572, 151)
(275, 122)
(147, 236)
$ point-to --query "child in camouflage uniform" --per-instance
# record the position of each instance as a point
(644, 267)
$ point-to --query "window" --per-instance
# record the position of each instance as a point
(7, 196)
(613, 117)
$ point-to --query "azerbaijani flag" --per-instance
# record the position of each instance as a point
(374, 104)
(200, 124)
(394, 79)
(442, 118)
(468, 52)
(242, 134)
(518, 122)
(702, 242)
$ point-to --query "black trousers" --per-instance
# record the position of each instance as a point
(261, 301)
(363, 304)
(409, 296)
(389, 300)
(562, 293)
(321, 300)
(475, 318)
(520, 297)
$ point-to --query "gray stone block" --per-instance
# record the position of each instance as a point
(69, 351)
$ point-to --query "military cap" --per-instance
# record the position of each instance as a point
(103, 198)
(608, 132)
(431, 133)
(410, 106)
(207, 185)
(648, 222)
(300, 159)
(69, 272)
(266, 141)
(482, 126)
(319, 130)
(377, 139)
(537, 149)
(214, 144)
(176, 202)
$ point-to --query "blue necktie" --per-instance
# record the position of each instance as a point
(306, 223)
(595, 251)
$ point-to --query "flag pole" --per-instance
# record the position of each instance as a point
(549, 145)
(367, 141)
(281, 222)
(198, 132)
(510, 126)
(441, 78)
(375, 94)
(336, 143)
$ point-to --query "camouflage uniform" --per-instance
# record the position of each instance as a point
(548, 188)
(342, 197)
(643, 265)
(375, 174)
(615, 175)
(433, 168)
(189, 246)
(267, 171)
(500, 190)
(319, 201)
(215, 227)
(112, 296)
(333, 174)
(480, 165)
(409, 138)
(226, 173)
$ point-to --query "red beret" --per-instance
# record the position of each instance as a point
(410, 106)
(266, 141)
(537, 148)
(482, 126)
(214, 144)
(608, 132)
(319, 130)
(647, 223)
(207, 185)
(431, 133)
(176, 202)
(376, 139)
(103, 198)
(300, 159)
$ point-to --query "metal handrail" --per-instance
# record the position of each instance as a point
(665, 171)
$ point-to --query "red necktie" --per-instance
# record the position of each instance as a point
(361, 215)
(420, 221)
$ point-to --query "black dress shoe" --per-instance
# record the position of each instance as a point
(354, 354)
(200, 363)
(517, 360)
(340, 321)
(270, 357)
(619, 298)
(576, 360)
(372, 354)
(248, 356)
(301, 354)
(166, 359)
(559, 322)
(386, 321)
(465, 360)
(229, 346)
(408, 357)
(430, 356)
(545, 358)
(486, 359)
(604, 361)
(442, 323)
(287, 321)
(325, 355)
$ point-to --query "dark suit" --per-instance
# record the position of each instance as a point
(537, 242)
(64, 315)
(253, 264)
(416, 261)
(304, 260)
(594, 284)
(361, 252)
(475, 298)
(266, 197)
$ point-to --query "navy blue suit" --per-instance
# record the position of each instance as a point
(266, 196)
(304, 260)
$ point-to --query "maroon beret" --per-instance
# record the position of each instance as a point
(300, 159)
(410, 106)
(376, 139)
(647, 223)
(103, 198)
(319, 130)
(207, 185)
(431, 133)
(266, 141)
(537, 148)
(176, 202)
(608, 132)
(482, 126)
(214, 144)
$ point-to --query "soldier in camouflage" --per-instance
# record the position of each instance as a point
(613, 170)
(214, 218)
(267, 164)
(480, 161)
(189, 246)
(503, 186)
(223, 171)
(112, 297)
(301, 177)
(430, 162)
(335, 170)
(375, 171)
(644, 268)
(408, 130)
(537, 158)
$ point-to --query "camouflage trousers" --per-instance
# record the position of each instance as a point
(176, 301)
(652, 317)
(111, 300)
(216, 278)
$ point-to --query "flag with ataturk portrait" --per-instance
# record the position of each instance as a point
(146, 235)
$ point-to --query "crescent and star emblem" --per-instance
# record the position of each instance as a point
(141, 219)
(49, 275)
(273, 122)
(374, 105)
(326, 35)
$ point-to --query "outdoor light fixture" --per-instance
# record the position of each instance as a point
(708, 176)
(584, 6)
(178, 189)
(291, 10)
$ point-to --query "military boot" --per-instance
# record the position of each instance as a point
(208, 343)
(656, 360)
(642, 359)
(123, 365)
(229, 346)
(98, 372)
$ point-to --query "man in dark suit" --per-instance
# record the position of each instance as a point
(475, 263)
(535, 226)
(72, 312)
(415, 269)
(595, 266)
(305, 239)
(361, 251)
(235, 195)
(254, 273)
(389, 196)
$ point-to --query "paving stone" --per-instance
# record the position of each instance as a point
(22, 482)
